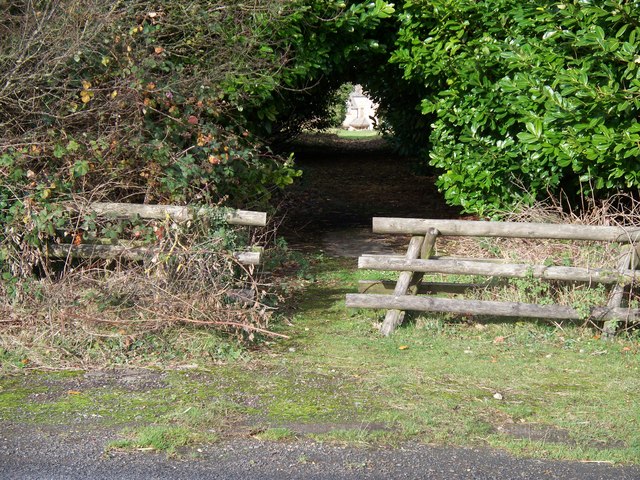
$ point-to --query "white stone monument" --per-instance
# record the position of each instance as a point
(361, 111)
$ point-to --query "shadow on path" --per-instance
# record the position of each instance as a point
(347, 182)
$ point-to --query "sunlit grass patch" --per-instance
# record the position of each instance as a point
(276, 434)
(439, 379)
(161, 438)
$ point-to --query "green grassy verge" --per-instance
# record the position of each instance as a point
(530, 388)
(354, 134)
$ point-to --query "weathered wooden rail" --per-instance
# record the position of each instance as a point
(131, 250)
(177, 213)
(398, 298)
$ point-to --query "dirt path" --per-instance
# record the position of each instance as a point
(347, 182)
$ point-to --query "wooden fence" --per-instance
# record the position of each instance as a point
(131, 250)
(399, 297)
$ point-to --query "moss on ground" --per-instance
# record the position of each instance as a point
(438, 380)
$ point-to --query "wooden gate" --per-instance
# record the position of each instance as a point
(419, 260)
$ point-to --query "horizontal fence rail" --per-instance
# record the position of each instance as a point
(413, 226)
(87, 250)
(178, 213)
(486, 307)
(507, 270)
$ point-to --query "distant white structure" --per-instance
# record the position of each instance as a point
(361, 111)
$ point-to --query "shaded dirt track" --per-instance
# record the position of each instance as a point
(347, 182)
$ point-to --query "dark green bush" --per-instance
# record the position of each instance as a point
(527, 98)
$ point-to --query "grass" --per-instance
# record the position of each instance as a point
(438, 377)
(160, 438)
(277, 434)
(530, 388)
(337, 137)
(354, 134)
(356, 437)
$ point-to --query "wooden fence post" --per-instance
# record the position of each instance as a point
(629, 260)
(418, 247)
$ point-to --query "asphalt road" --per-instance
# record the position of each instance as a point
(37, 452)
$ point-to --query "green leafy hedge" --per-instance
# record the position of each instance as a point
(128, 101)
(168, 102)
(175, 102)
(526, 97)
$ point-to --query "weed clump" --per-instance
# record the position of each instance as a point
(189, 299)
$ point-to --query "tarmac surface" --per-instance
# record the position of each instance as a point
(46, 452)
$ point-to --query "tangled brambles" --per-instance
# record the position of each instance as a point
(166, 301)
(104, 101)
